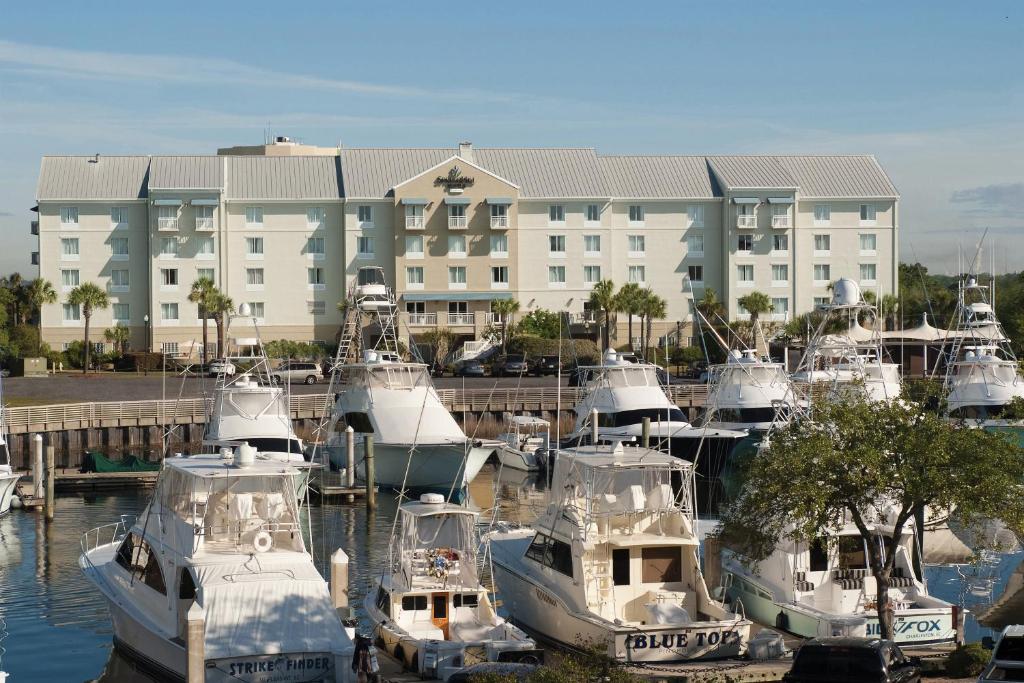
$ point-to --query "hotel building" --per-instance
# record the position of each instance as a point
(287, 227)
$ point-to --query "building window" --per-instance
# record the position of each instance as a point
(315, 217)
(413, 216)
(499, 277)
(637, 246)
(167, 218)
(69, 279)
(593, 214)
(457, 219)
(119, 280)
(868, 243)
(316, 307)
(414, 277)
(695, 215)
(745, 216)
(204, 273)
(259, 310)
(780, 215)
(168, 247)
(637, 274)
(822, 245)
(414, 246)
(556, 246)
(118, 217)
(315, 248)
(169, 312)
(591, 274)
(695, 273)
(456, 277)
(456, 246)
(636, 214)
(499, 246)
(315, 277)
(69, 216)
(72, 313)
(205, 249)
(364, 247)
(169, 277)
(868, 273)
(365, 215)
(204, 217)
(821, 301)
(780, 308)
(254, 216)
(556, 214)
(254, 248)
(695, 245)
(822, 215)
(556, 276)
(822, 274)
(745, 241)
(867, 214)
(592, 245)
(780, 274)
(745, 275)
(254, 278)
(119, 248)
(120, 312)
(69, 248)
(780, 244)
(169, 348)
(499, 216)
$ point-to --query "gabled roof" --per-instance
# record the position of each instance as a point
(748, 172)
(292, 177)
(86, 178)
(459, 161)
(186, 173)
(371, 173)
(658, 177)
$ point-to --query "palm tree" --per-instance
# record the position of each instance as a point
(89, 297)
(203, 291)
(220, 306)
(628, 301)
(709, 306)
(651, 306)
(889, 309)
(118, 335)
(505, 309)
(755, 303)
(38, 294)
(603, 297)
(16, 285)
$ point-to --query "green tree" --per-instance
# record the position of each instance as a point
(867, 463)
(710, 306)
(38, 294)
(440, 341)
(220, 306)
(118, 335)
(541, 323)
(651, 306)
(89, 297)
(629, 300)
(602, 296)
(203, 293)
(15, 284)
(756, 304)
(505, 309)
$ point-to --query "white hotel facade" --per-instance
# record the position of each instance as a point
(286, 228)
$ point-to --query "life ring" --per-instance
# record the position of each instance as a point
(262, 542)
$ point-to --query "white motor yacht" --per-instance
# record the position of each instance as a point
(824, 589)
(8, 477)
(525, 443)
(430, 610)
(748, 393)
(220, 540)
(613, 561)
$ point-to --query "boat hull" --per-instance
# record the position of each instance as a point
(7, 487)
(432, 466)
(517, 459)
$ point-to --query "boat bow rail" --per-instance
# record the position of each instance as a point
(107, 534)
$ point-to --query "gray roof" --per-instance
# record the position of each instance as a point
(87, 178)
(657, 177)
(751, 172)
(839, 177)
(297, 177)
(546, 172)
(373, 172)
(186, 173)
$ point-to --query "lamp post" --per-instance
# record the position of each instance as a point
(149, 345)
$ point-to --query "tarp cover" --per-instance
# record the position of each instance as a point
(94, 461)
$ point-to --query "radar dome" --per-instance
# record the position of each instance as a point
(845, 292)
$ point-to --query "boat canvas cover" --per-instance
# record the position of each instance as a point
(270, 609)
(94, 461)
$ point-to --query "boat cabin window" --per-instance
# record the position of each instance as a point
(620, 566)
(397, 377)
(383, 601)
(763, 414)
(275, 445)
(135, 555)
(465, 600)
(359, 422)
(552, 553)
(414, 603)
(629, 376)
(624, 418)
(819, 555)
(661, 564)
(851, 553)
(186, 586)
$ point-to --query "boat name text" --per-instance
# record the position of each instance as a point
(656, 641)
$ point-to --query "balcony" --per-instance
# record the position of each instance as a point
(499, 222)
(414, 222)
(204, 222)
(34, 227)
(422, 319)
(746, 221)
(493, 319)
(460, 318)
(584, 318)
(167, 223)
(780, 222)
(458, 222)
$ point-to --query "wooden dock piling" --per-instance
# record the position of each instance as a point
(371, 492)
(51, 473)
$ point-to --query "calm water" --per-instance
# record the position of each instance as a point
(57, 627)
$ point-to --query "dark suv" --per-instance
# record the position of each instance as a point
(852, 660)
(511, 366)
(545, 365)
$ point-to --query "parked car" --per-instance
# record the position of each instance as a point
(545, 365)
(221, 366)
(511, 366)
(852, 660)
(470, 368)
(1007, 663)
(294, 372)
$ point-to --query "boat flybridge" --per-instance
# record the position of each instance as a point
(850, 361)
(220, 542)
(983, 376)
(417, 443)
(747, 392)
(614, 561)
(430, 609)
(8, 477)
(525, 443)
(825, 588)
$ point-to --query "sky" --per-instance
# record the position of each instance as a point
(935, 90)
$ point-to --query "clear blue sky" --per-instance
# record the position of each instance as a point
(934, 89)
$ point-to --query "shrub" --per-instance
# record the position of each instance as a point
(967, 661)
(582, 351)
(74, 355)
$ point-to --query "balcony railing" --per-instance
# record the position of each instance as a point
(583, 318)
(460, 318)
(744, 221)
(780, 221)
(34, 227)
(499, 222)
(458, 222)
(493, 318)
(166, 223)
(422, 318)
(204, 222)
(414, 222)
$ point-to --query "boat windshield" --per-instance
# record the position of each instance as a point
(624, 376)
(626, 418)
(737, 373)
(275, 445)
(259, 403)
(396, 377)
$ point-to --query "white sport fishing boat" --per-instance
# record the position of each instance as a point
(748, 393)
(613, 561)
(984, 375)
(824, 589)
(8, 477)
(429, 609)
(525, 443)
(220, 540)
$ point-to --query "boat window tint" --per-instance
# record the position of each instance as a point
(275, 445)
(441, 606)
(536, 550)
(624, 418)
(851, 553)
(186, 586)
(124, 552)
(468, 600)
(560, 557)
(661, 564)
(152, 576)
(819, 555)
(1011, 648)
(620, 566)
(414, 603)
(383, 601)
(359, 422)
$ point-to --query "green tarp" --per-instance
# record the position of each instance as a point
(95, 461)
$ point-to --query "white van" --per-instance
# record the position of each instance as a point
(1007, 663)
